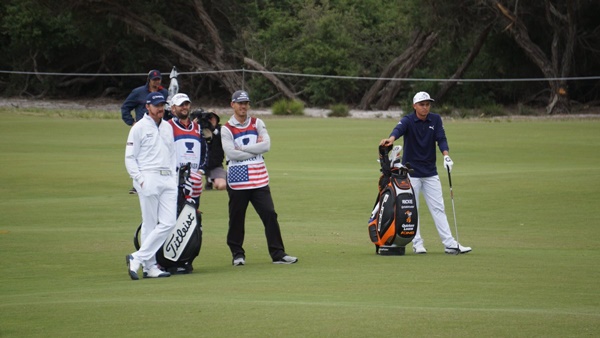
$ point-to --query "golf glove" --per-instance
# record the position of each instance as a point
(448, 163)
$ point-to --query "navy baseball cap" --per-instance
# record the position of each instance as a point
(155, 99)
(154, 74)
(240, 96)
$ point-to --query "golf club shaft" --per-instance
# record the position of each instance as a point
(453, 208)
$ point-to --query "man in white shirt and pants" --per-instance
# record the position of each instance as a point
(150, 159)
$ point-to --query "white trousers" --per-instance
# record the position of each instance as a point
(431, 188)
(158, 202)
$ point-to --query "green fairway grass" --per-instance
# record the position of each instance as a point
(526, 195)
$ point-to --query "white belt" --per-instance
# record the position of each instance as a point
(160, 172)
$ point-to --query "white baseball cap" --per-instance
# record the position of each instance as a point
(179, 99)
(422, 96)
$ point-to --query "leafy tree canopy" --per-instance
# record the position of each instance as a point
(348, 38)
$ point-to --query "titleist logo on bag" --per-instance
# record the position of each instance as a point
(181, 234)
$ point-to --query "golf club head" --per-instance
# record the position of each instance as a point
(395, 153)
(397, 163)
(173, 89)
(174, 73)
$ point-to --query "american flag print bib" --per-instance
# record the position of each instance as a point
(248, 176)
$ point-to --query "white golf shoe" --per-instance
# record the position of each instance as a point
(287, 259)
(460, 250)
(239, 261)
(155, 272)
(133, 265)
(419, 249)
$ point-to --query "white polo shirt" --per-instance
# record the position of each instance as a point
(150, 148)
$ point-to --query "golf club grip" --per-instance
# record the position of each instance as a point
(449, 178)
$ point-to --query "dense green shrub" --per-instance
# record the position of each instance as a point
(443, 109)
(525, 110)
(339, 110)
(288, 107)
(493, 110)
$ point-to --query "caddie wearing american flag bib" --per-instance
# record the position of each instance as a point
(250, 173)
(245, 139)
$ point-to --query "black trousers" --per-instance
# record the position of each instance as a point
(263, 204)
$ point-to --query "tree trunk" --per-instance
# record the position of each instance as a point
(390, 91)
(374, 91)
(281, 87)
(439, 97)
(190, 49)
(556, 66)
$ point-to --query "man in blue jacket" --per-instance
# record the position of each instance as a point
(421, 131)
(137, 100)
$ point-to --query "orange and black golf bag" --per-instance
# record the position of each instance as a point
(393, 222)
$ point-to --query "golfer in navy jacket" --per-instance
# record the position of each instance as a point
(421, 131)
